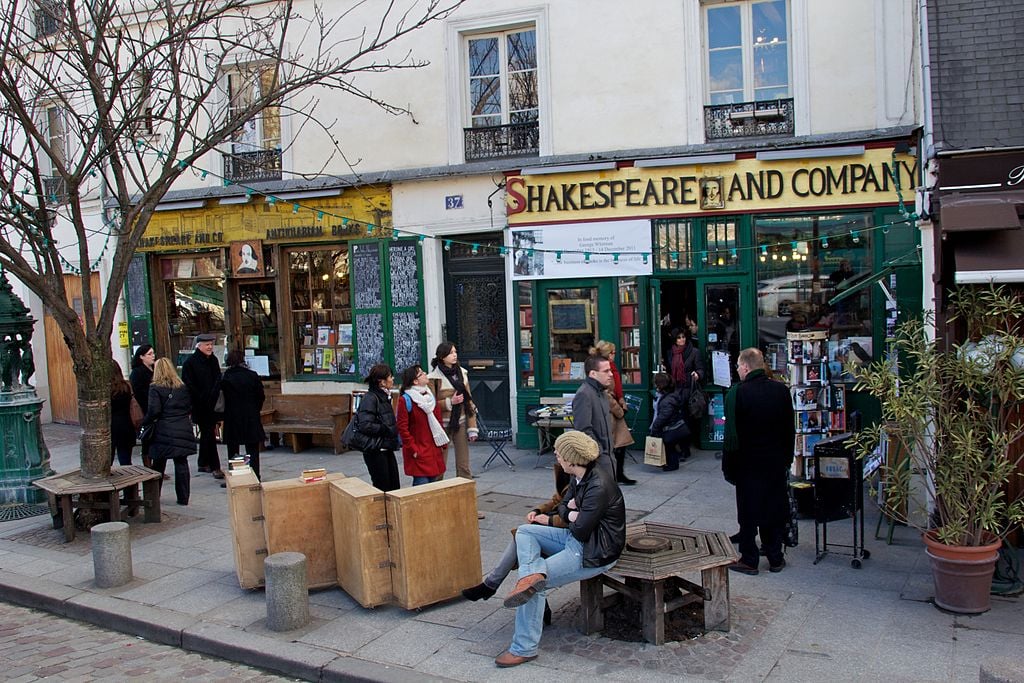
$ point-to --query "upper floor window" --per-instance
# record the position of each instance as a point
(747, 51)
(56, 123)
(256, 146)
(49, 16)
(502, 95)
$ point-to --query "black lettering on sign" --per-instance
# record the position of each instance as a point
(366, 275)
(405, 291)
(369, 341)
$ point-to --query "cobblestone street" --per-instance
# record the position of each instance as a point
(35, 646)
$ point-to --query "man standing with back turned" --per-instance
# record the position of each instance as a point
(757, 454)
(201, 374)
(590, 413)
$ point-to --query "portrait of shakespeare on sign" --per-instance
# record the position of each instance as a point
(712, 194)
(247, 258)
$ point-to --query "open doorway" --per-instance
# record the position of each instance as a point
(677, 309)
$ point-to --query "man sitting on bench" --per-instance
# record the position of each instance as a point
(550, 557)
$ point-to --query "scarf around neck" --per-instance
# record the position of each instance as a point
(422, 397)
(454, 376)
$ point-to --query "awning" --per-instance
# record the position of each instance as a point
(990, 257)
(960, 212)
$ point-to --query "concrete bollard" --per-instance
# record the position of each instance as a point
(287, 591)
(111, 554)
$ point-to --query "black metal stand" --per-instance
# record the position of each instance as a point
(838, 494)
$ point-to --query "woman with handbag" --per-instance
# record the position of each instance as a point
(449, 382)
(169, 425)
(141, 377)
(376, 432)
(122, 430)
(685, 365)
(670, 412)
(621, 437)
(419, 424)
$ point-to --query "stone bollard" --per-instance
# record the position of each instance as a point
(287, 591)
(111, 554)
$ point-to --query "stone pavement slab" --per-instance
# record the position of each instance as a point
(807, 623)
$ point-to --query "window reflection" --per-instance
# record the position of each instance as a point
(572, 322)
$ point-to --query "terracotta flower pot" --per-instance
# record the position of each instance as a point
(962, 574)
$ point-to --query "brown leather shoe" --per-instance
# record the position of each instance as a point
(506, 659)
(525, 589)
(217, 474)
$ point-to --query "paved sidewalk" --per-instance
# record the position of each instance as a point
(807, 623)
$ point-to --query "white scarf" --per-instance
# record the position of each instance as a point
(422, 397)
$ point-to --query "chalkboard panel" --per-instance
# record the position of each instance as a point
(404, 286)
(570, 316)
(366, 275)
(370, 341)
(406, 328)
(135, 284)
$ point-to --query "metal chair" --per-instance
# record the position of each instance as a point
(497, 438)
(633, 405)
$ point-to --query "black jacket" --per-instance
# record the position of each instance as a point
(122, 431)
(141, 378)
(243, 399)
(601, 523)
(672, 408)
(172, 436)
(376, 419)
(201, 374)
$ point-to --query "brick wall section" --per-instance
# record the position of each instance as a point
(977, 60)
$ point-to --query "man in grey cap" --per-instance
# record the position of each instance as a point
(201, 374)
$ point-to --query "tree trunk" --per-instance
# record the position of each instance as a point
(93, 376)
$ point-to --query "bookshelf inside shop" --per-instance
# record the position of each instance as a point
(629, 331)
(819, 405)
(321, 313)
(527, 357)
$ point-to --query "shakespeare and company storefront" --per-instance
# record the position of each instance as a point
(311, 285)
(738, 248)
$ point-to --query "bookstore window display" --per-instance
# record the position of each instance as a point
(194, 295)
(572, 321)
(629, 331)
(527, 358)
(321, 311)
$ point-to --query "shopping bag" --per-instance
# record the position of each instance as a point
(654, 451)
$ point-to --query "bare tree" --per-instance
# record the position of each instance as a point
(85, 82)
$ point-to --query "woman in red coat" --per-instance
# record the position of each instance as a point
(424, 441)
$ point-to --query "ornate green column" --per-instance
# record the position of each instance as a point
(23, 453)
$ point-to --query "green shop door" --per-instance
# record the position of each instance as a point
(573, 314)
(725, 320)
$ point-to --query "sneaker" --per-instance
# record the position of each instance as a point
(776, 568)
(743, 568)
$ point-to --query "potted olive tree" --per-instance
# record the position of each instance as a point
(952, 419)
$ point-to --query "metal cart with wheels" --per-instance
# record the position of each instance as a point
(838, 495)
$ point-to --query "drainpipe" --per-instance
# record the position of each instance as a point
(929, 170)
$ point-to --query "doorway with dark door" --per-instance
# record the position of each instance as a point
(257, 328)
(477, 321)
(677, 310)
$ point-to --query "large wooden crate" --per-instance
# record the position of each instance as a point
(435, 541)
(297, 518)
(245, 512)
(361, 541)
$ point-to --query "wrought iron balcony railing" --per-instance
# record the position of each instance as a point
(749, 119)
(500, 142)
(264, 164)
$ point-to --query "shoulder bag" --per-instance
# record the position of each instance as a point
(135, 410)
(697, 404)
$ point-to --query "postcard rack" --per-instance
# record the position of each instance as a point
(838, 495)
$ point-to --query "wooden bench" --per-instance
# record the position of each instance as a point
(656, 582)
(63, 489)
(299, 416)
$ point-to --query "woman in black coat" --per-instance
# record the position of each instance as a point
(170, 407)
(141, 377)
(670, 423)
(375, 420)
(243, 400)
(122, 431)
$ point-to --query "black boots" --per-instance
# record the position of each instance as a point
(620, 462)
(547, 611)
(480, 591)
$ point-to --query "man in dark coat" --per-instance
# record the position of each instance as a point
(757, 454)
(243, 400)
(590, 413)
(201, 374)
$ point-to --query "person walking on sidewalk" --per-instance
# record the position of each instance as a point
(170, 404)
(243, 400)
(201, 374)
(378, 432)
(141, 377)
(122, 431)
(419, 424)
(621, 437)
(590, 545)
(756, 457)
(590, 408)
(450, 383)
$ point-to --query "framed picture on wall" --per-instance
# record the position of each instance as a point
(712, 193)
(570, 316)
(247, 258)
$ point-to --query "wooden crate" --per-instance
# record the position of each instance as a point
(435, 541)
(245, 512)
(298, 519)
(361, 541)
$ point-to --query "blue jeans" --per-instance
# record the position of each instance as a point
(563, 565)
(416, 481)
